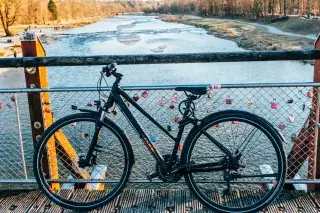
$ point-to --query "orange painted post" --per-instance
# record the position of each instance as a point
(41, 116)
(39, 104)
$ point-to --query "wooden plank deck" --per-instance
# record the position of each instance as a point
(153, 201)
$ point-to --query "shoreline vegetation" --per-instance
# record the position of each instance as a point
(43, 31)
(246, 35)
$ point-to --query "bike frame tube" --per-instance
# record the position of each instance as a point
(115, 97)
(117, 92)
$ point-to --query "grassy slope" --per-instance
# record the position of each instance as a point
(246, 35)
(299, 25)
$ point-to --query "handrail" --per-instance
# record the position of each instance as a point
(161, 58)
(159, 87)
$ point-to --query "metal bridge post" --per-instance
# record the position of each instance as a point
(39, 104)
(316, 154)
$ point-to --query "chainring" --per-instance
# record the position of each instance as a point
(167, 177)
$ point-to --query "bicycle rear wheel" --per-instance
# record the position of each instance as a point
(56, 162)
(263, 161)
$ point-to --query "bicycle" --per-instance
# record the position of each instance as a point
(217, 168)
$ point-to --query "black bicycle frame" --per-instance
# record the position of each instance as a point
(115, 98)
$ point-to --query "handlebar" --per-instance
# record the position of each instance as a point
(110, 69)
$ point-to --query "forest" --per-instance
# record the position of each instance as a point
(44, 11)
(255, 9)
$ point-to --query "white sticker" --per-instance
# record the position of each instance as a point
(27, 36)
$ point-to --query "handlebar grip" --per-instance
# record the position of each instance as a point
(109, 69)
(112, 66)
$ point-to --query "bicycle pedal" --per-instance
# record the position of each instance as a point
(226, 192)
(97, 150)
(74, 107)
(152, 176)
(98, 146)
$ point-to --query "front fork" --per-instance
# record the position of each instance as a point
(90, 157)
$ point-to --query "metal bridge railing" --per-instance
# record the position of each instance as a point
(292, 108)
(286, 106)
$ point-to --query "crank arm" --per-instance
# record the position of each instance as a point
(152, 176)
(227, 191)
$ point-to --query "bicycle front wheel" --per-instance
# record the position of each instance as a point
(58, 169)
(261, 175)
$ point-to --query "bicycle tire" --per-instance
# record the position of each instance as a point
(90, 205)
(222, 204)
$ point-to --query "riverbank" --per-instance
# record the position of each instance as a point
(246, 35)
(43, 31)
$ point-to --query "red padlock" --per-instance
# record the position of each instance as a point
(89, 104)
(274, 104)
(216, 126)
(217, 86)
(228, 101)
(309, 94)
(282, 126)
(235, 122)
(174, 98)
(145, 94)
(176, 119)
(135, 98)
(1, 105)
(172, 106)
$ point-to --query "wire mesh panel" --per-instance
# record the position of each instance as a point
(11, 160)
(287, 108)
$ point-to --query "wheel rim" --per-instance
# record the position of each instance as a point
(203, 151)
(111, 165)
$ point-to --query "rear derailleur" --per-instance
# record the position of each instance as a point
(229, 175)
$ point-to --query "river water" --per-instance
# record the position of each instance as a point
(147, 35)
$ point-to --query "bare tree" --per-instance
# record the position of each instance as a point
(32, 11)
(9, 10)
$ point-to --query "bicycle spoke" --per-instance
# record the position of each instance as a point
(248, 139)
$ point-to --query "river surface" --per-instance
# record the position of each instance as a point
(147, 35)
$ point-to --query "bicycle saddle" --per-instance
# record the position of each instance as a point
(193, 90)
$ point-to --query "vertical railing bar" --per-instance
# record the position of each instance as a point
(20, 137)
(316, 132)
